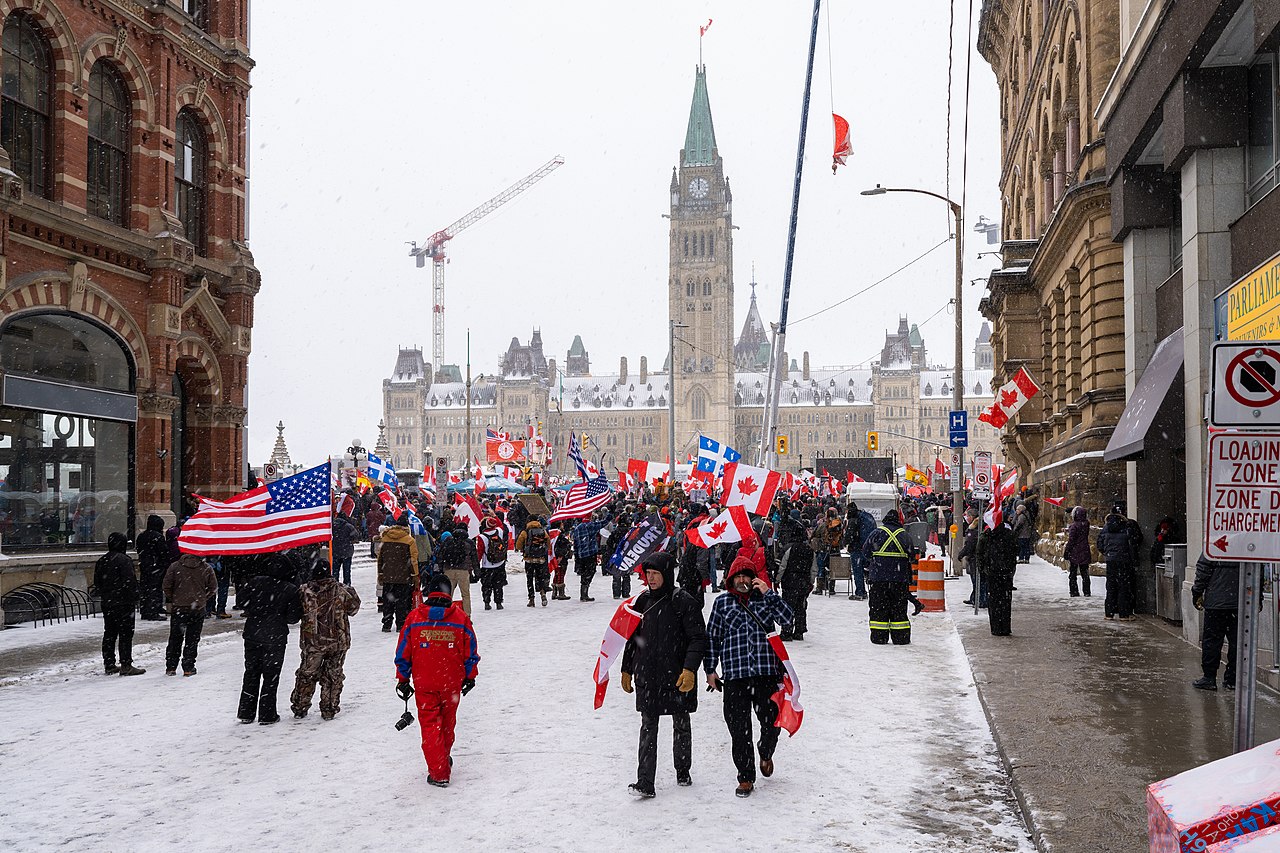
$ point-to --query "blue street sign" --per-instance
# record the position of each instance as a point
(960, 438)
(960, 421)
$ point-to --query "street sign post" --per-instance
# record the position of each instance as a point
(982, 475)
(1246, 385)
(442, 481)
(955, 471)
(1242, 523)
(959, 428)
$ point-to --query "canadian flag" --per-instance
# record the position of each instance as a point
(787, 697)
(467, 508)
(854, 478)
(750, 488)
(623, 624)
(344, 504)
(732, 525)
(510, 472)
(994, 516)
(704, 480)
(626, 482)
(646, 472)
(537, 480)
(1011, 397)
(940, 471)
(455, 477)
(1055, 501)
(389, 501)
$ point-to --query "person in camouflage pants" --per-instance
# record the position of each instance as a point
(327, 606)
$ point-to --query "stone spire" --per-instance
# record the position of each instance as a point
(280, 453)
(382, 449)
(700, 138)
(751, 352)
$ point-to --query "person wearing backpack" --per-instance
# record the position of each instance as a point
(493, 562)
(455, 559)
(534, 545)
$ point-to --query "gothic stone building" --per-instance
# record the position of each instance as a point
(1057, 306)
(720, 382)
(126, 287)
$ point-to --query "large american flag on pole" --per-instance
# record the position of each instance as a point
(584, 498)
(575, 456)
(284, 514)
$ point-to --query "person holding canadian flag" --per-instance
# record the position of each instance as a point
(738, 635)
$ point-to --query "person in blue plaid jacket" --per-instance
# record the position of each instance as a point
(586, 551)
(739, 643)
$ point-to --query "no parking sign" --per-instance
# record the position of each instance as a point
(1246, 385)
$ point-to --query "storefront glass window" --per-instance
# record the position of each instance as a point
(66, 461)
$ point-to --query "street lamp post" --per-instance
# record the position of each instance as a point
(957, 396)
(671, 401)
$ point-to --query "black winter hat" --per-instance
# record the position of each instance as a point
(438, 584)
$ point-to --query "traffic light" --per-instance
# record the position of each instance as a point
(585, 438)
(782, 444)
(873, 441)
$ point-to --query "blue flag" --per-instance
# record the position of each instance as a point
(713, 456)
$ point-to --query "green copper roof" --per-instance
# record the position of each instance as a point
(700, 138)
(915, 339)
(576, 348)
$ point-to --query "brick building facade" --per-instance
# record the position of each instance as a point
(126, 285)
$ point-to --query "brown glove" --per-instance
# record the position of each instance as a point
(686, 681)
(1197, 600)
(626, 683)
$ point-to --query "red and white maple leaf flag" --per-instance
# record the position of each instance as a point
(787, 697)
(731, 525)
(389, 501)
(1055, 501)
(455, 477)
(1011, 397)
(994, 515)
(626, 482)
(623, 624)
(750, 488)
(854, 478)
(646, 472)
(467, 508)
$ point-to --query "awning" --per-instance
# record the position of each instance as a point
(1131, 431)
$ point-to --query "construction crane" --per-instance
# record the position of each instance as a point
(433, 248)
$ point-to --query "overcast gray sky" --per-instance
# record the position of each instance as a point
(370, 130)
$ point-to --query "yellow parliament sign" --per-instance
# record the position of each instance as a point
(1253, 304)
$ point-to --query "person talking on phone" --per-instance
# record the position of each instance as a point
(738, 640)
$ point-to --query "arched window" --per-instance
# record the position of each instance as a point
(689, 288)
(712, 248)
(698, 404)
(108, 144)
(24, 118)
(686, 245)
(199, 12)
(706, 287)
(190, 187)
(67, 426)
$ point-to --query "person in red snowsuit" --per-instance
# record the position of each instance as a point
(437, 648)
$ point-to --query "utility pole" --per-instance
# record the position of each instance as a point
(671, 421)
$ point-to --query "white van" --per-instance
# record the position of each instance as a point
(875, 498)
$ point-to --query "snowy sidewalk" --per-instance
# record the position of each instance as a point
(1088, 712)
(894, 754)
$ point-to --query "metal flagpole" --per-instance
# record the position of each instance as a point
(780, 340)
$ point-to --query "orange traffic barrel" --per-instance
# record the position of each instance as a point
(930, 586)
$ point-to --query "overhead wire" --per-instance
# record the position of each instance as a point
(881, 281)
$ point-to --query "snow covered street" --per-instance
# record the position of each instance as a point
(895, 753)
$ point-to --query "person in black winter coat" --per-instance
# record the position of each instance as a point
(659, 664)
(797, 574)
(272, 606)
(891, 553)
(1216, 591)
(345, 536)
(1114, 545)
(116, 583)
(153, 560)
(969, 551)
(1079, 555)
(997, 555)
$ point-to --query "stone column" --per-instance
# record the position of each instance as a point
(1212, 198)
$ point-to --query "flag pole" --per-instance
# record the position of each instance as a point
(780, 340)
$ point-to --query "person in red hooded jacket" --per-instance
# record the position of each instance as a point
(437, 650)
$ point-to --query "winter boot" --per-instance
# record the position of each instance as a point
(130, 669)
(544, 600)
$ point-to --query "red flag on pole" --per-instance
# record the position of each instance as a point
(842, 149)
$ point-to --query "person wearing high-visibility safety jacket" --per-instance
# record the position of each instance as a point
(890, 553)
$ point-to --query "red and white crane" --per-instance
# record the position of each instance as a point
(433, 248)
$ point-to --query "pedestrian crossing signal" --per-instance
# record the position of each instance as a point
(782, 444)
(873, 441)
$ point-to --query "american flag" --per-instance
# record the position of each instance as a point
(575, 456)
(284, 514)
(582, 499)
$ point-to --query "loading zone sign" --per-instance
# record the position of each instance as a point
(1242, 520)
(1246, 385)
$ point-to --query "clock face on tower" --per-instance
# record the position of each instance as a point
(699, 187)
